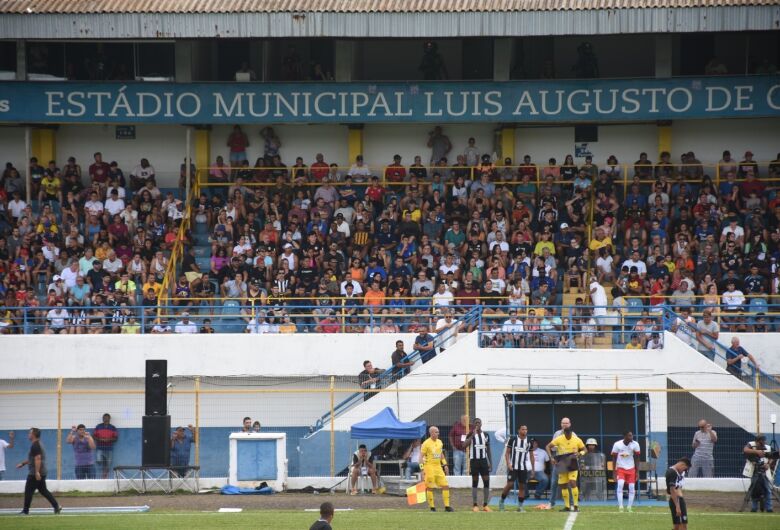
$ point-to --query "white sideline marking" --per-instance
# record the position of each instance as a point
(230, 510)
(570, 520)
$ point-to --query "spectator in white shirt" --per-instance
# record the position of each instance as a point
(93, 206)
(70, 273)
(185, 325)
(114, 205)
(140, 174)
(443, 297)
(16, 206)
(733, 298)
(636, 262)
(513, 328)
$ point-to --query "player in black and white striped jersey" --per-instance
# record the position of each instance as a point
(519, 458)
(477, 443)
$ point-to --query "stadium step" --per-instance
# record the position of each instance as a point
(204, 262)
(202, 250)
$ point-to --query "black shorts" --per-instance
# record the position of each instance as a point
(519, 475)
(479, 467)
(683, 519)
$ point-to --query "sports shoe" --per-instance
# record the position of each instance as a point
(57, 510)
(475, 508)
(501, 505)
(630, 509)
(448, 509)
(620, 509)
(24, 513)
(564, 509)
(575, 509)
(433, 509)
(486, 508)
(520, 508)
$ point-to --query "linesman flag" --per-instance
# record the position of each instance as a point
(416, 494)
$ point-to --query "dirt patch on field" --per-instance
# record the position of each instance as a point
(697, 501)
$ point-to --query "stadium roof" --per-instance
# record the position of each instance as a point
(349, 6)
(348, 19)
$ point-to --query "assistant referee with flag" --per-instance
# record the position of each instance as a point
(434, 465)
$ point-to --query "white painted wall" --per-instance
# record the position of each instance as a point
(709, 138)
(163, 145)
(12, 148)
(763, 346)
(408, 140)
(297, 140)
(623, 141)
(76, 356)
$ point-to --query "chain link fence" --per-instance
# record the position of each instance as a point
(217, 406)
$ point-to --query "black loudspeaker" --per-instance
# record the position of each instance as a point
(156, 441)
(156, 388)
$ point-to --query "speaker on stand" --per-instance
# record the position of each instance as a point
(156, 423)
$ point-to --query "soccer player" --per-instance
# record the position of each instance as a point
(625, 462)
(520, 462)
(478, 445)
(675, 478)
(434, 469)
(326, 517)
(568, 445)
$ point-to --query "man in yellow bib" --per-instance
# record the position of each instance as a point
(568, 445)
(434, 468)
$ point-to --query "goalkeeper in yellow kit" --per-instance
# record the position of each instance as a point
(568, 447)
(434, 466)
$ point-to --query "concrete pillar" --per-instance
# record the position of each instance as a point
(264, 74)
(664, 137)
(344, 61)
(21, 60)
(507, 144)
(256, 59)
(44, 145)
(503, 55)
(202, 150)
(183, 61)
(663, 56)
(354, 142)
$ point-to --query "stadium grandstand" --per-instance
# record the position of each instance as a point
(316, 211)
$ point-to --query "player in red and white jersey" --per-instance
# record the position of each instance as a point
(625, 461)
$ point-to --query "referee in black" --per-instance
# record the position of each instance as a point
(520, 464)
(675, 479)
(478, 445)
(36, 477)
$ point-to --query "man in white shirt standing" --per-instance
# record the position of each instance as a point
(447, 328)
(598, 297)
(3, 446)
(625, 462)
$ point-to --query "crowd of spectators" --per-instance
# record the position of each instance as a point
(385, 248)
(91, 244)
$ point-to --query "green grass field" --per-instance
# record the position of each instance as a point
(594, 519)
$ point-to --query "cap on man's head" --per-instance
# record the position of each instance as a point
(564, 225)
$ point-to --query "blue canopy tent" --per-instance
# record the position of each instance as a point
(386, 425)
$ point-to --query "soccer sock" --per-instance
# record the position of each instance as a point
(619, 492)
(631, 494)
(565, 493)
(429, 494)
(486, 495)
(575, 492)
(445, 495)
(474, 495)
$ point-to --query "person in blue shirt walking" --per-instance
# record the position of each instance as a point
(181, 442)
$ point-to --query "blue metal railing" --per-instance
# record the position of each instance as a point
(389, 376)
(226, 316)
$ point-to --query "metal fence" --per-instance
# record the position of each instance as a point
(216, 406)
